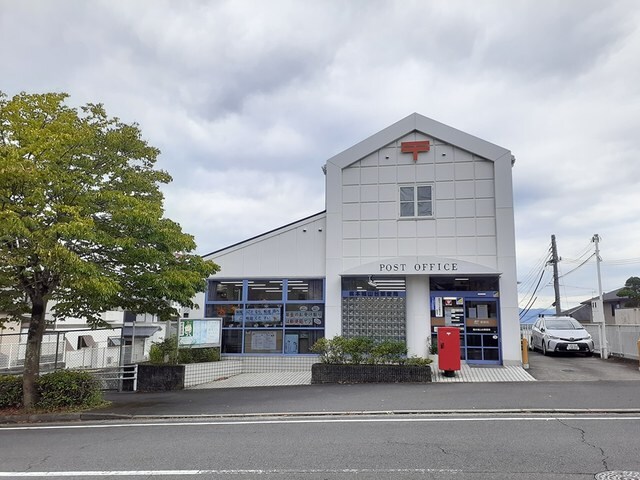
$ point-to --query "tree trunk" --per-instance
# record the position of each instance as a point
(32, 355)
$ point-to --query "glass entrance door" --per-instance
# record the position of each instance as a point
(481, 330)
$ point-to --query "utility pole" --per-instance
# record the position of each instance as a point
(556, 282)
(604, 354)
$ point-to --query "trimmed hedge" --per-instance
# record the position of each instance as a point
(57, 390)
(10, 391)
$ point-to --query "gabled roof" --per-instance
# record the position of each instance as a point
(428, 126)
(275, 230)
(611, 296)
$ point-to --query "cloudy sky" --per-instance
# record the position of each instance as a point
(248, 99)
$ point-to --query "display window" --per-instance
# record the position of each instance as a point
(311, 289)
(231, 315)
(263, 341)
(263, 315)
(259, 290)
(300, 341)
(225, 291)
(305, 315)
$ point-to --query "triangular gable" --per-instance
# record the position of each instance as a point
(427, 126)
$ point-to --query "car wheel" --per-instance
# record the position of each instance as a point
(544, 349)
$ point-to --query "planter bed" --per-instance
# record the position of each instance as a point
(330, 373)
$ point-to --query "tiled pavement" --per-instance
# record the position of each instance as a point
(466, 374)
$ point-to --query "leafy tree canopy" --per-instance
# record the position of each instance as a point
(81, 216)
(631, 290)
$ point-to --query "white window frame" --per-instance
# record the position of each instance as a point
(414, 187)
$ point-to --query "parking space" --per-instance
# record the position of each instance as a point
(577, 367)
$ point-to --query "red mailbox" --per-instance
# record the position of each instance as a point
(449, 350)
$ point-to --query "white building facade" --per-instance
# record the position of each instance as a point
(418, 233)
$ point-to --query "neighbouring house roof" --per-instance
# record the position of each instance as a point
(140, 330)
(611, 296)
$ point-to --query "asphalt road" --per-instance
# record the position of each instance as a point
(402, 447)
(561, 367)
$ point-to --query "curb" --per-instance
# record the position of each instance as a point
(98, 417)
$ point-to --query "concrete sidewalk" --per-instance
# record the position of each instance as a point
(465, 375)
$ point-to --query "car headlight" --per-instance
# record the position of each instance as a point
(553, 337)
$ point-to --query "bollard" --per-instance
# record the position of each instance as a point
(525, 353)
(639, 354)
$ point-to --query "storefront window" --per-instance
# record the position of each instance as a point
(263, 341)
(265, 290)
(305, 315)
(231, 341)
(305, 290)
(225, 291)
(231, 314)
(263, 316)
(300, 341)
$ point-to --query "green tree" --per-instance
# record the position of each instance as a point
(81, 221)
(631, 290)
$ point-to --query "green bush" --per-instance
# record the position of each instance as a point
(389, 351)
(164, 352)
(363, 350)
(198, 355)
(68, 388)
(10, 391)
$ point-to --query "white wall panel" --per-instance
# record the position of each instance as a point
(446, 246)
(486, 226)
(443, 153)
(351, 194)
(351, 176)
(369, 247)
(466, 227)
(388, 192)
(445, 209)
(351, 229)
(407, 174)
(407, 246)
(444, 172)
(425, 172)
(369, 211)
(369, 229)
(351, 248)
(445, 227)
(426, 228)
(427, 246)
(407, 228)
(369, 175)
(445, 190)
(484, 189)
(388, 247)
(465, 208)
(388, 211)
(369, 193)
(388, 228)
(464, 171)
(466, 245)
(465, 189)
(351, 211)
(484, 170)
(485, 207)
(487, 246)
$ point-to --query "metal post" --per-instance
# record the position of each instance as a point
(604, 354)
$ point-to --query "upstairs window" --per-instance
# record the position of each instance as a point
(416, 201)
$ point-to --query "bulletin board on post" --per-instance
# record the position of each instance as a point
(199, 333)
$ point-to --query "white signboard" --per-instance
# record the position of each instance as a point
(263, 341)
(199, 333)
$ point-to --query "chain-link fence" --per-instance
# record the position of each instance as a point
(77, 349)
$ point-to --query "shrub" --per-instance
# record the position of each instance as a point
(359, 350)
(198, 355)
(389, 351)
(68, 388)
(10, 391)
(164, 352)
